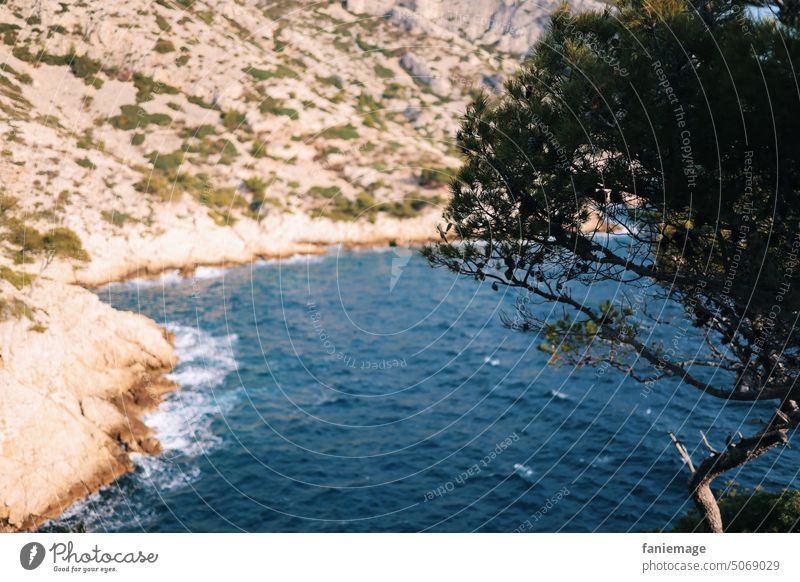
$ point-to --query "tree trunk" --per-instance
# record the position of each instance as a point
(707, 505)
(735, 455)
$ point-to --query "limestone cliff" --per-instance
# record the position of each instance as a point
(140, 136)
(75, 376)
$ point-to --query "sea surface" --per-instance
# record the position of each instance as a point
(364, 391)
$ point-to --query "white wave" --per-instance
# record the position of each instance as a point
(491, 361)
(184, 425)
(171, 277)
(601, 460)
(183, 421)
(558, 394)
(202, 273)
(381, 249)
(524, 471)
(291, 260)
(165, 476)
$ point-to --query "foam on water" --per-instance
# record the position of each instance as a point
(183, 422)
(184, 425)
(201, 273)
(292, 260)
(524, 471)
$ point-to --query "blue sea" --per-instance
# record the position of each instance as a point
(363, 391)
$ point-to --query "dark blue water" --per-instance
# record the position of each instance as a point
(364, 391)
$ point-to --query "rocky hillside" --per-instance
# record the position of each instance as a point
(173, 119)
(510, 26)
(152, 134)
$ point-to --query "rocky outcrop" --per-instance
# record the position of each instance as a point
(76, 376)
(510, 26)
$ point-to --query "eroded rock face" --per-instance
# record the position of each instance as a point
(72, 388)
(509, 25)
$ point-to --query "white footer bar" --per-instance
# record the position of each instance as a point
(399, 557)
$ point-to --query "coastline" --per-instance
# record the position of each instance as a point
(92, 374)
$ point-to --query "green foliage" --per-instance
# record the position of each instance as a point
(200, 131)
(344, 209)
(7, 204)
(146, 87)
(164, 46)
(137, 139)
(258, 150)
(675, 123)
(370, 111)
(199, 102)
(344, 132)
(323, 192)
(333, 81)
(394, 91)
(409, 207)
(435, 177)
(754, 511)
(86, 163)
(281, 71)
(57, 242)
(167, 163)
(383, 72)
(222, 149)
(18, 279)
(134, 117)
(118, 219)
(83, 67)
(233, 119)
(162, 23)
(16, 309)
(272, 106)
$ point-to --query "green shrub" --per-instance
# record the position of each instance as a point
(146, 86)
(255, 185)
(86, 163)
(17, 309)
(281, 71)
(157, 184)
(233, 119)
(166, 162)
(63, 242)
(134, 117)
(116, 218)
(82, 66)
(333, 81)
(137, 139)
(222, 148)
(162, 23)
(319, 191)
(370, 111)
(60, 242)
(346, 132)
(164, 46)
(750, 512)
(435, 177)
(383, 72)
(199, 102)
(18, 279)
(7, 203)
(272, 106)
(200, 132)
(258, 150)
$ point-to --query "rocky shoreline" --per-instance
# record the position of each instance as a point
(76, 384)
